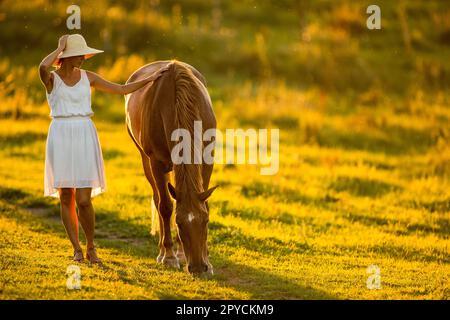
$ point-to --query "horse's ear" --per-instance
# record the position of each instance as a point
(172, 191)
(206, 194)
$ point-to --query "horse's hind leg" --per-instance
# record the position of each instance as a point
(158, 180)
(165, 208)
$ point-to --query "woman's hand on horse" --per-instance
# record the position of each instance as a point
(158, 73)
(104, 85)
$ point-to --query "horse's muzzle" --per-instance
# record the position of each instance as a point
(197, 269)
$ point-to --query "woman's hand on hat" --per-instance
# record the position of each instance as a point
(62, 42)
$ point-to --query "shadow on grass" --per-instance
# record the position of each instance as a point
(134, 239)
(26, 155)
(255, 214)
(439, 206)
(394, 140)
(363, 187)
(225, 235)
(21, 139)
(256, 189)
(318, 161)
(260, 284)
(395, 252)
(111, 231)
(442, 231)
(261, 121)
(12, 195)
(163, 295)
(110, 154)
(260, 215)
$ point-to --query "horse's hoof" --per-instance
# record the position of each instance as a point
(159, 258)
(210, 271)
(181, 257)
(171, 262)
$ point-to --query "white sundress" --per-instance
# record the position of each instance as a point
(73, 155)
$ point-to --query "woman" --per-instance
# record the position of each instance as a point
(74, 170)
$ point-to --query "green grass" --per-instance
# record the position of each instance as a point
(308, 232)
(364, 174)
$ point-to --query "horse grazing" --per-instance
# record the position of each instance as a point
(174, 101)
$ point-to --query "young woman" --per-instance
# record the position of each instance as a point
(74, 170)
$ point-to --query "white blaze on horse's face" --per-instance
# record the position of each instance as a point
(190, 217)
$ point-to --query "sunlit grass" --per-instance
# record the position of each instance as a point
(308, 232)
(364, 174)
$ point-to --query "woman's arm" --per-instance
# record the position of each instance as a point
(47, 62)
(104, 85)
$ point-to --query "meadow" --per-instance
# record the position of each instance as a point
(364, 172)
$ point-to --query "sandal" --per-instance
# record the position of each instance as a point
(91, 255)
(78, 255)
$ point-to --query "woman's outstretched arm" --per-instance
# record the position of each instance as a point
(47, 62)
(104, 85)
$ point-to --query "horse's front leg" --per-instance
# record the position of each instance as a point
(207, 170)
(151, 180)
(160, 208)
(165, 209)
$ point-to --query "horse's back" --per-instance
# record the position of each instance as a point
(148, 69)
(150, 111)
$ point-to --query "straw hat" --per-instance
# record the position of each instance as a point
(76, 46)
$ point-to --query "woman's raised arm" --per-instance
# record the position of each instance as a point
(107, 86)
(47, 62)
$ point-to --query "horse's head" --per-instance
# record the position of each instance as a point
(192, 217)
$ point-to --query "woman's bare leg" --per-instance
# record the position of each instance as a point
(69, 215)
(86, 215)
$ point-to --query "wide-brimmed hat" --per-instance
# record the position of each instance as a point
(76, 46)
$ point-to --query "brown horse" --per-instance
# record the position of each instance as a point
(175, 100)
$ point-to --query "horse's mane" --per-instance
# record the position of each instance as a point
(186, 112)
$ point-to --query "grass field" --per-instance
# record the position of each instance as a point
(364, 175)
